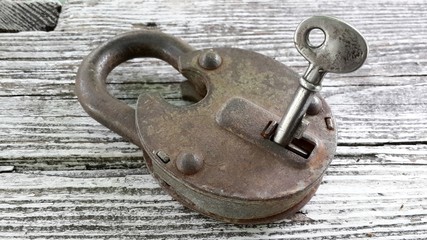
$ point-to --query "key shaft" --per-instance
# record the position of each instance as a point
(343, 50)
(293, 116)
(309, 84)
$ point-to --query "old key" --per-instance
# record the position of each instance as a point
(216, 156)
(343, 50)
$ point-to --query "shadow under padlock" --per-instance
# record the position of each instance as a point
(234, 155)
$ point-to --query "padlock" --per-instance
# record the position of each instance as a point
(254, 146)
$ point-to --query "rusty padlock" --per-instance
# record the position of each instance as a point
(231, 155)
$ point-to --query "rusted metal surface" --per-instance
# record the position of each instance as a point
(218, 163)
(90, 83)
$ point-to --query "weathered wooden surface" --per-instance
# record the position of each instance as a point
(75, 179)
(16, 16)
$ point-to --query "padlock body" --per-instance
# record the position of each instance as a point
(211, 155)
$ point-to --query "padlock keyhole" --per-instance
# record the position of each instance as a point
(302, 147)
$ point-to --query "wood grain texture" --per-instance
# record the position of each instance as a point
(17, 16)
(128, 204)
(76, 179)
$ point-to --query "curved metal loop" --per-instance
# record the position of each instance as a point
(91, 87)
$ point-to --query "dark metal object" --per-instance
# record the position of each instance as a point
(90, 83)
(216, 156)
(163, 156)
(210, 60)
(315, 106)
(189, 163)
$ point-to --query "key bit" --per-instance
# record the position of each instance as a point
(343, 50)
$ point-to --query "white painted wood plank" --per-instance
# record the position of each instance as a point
(352, 202)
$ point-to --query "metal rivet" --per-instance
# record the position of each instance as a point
(210, 60)
(315, 106)
(329, 123)
(163, 156)
(189, 163)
